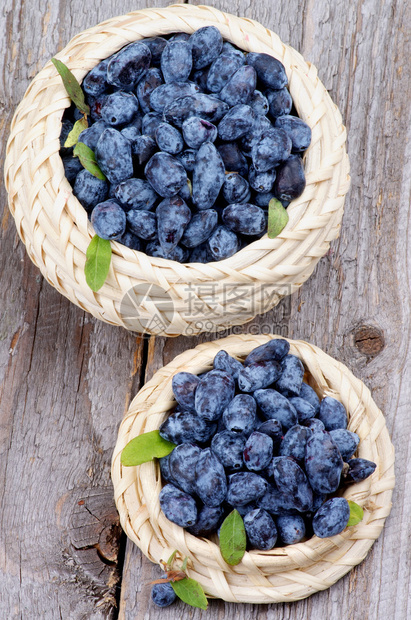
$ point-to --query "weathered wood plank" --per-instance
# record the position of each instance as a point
(360, 50)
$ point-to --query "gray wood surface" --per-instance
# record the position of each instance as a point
(66, 379)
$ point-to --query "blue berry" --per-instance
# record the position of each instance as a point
(310, 395)
(89, 190)
(222, 69)
(180, 36)
(169, 139)
(240, 415)
(165, 94)
(258, 375)
(113, 155)
(109, 220)
(240, 87)
(178, 253)
(210, 479)
(199, 228)
(176, 61)
(274, 429)
(272, 148)
(156, 46)
(299, 132)
(359, 469)
(276, 502)
(270, 71)
(130, 241)
(143, 148)
(347, 442)
(147, 85)
(236, 122)
(165, 469)
(314, 424)
(185, 426)
(258, 451)
(173, 215)
(290, 180)
(162, 594)
(332, 518)
(291, 377)
(96, 103)
(229, 447)
(150, 122)
(233, 158)
(91, 135)
(224, 361)
(125, 68)
(178, 506)
(236, 189)
(142, 223)
(304, 410)
(201, 254)
(95, 82)
(259, 103)
(222, 243)
(135, 194)
(206, 44)
(290, 478)
(260, 529)
(323, 462)
(119, 108)
(205, 106)
(276, 406)
(245, 487)
(261, 181)
(188, 159)
(291, 528)
(196, 131)
(200, 78)
(72, 166)
(332, 414)
(208, 520)
(182, 463)
(262, 199)
(280, 102)
(184, 385)
(208, 176)
(274, 349)
(244, 510)
(294, 442)
(245, 218)
(166, 174)
(214, 392)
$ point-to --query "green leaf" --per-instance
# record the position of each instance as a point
(190, 592)
(171, 558)
(72, 86)
(232, 538)
(277, 218)
(88, 160)
(98, 258)
(356, 513)
(73, 136)
(145, 448)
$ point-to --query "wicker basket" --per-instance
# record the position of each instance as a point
(282, 574)
(188, 298)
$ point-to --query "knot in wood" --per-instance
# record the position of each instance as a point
(369, 340)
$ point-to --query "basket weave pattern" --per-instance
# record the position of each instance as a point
(54, 226)
(283, 574)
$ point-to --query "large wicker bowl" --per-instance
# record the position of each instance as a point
(188, 298)
(283, 574)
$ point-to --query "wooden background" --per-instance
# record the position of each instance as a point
(66, 379)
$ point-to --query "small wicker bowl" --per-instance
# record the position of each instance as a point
(283, 574)
(193, 297)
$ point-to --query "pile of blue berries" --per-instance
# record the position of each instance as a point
(255, 437)
(195, 138)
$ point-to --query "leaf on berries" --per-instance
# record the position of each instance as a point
(145, 448)
(73, 136)
(356, 513)
(88, 160)
(277, 218)
(72, 86)
(98, 258)
(232, 538)
(190, 592)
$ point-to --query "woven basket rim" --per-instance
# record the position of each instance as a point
(136, 489)
(289, 259)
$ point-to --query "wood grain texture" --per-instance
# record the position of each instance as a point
(66, 379)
